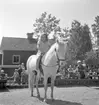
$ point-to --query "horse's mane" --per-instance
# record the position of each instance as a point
(50, 53)
(54, 47)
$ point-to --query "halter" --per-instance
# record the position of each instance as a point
(59, 60)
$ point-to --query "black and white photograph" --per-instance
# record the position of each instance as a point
(49, 52)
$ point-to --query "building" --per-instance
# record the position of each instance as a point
(14, 51)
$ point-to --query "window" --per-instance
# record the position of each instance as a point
(16, 59)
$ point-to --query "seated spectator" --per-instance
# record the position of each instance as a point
(70, 69)
(6, 76)
(19, 71)
(94, 75)
(2, 74)
(90, 74)
(16, 76)
(24, 78)
(22, 66)
(70, 72)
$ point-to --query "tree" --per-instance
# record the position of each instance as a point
(95, 28)
(80, 41)
(92, 58)
(46, 24)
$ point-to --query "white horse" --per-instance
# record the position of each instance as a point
(50, 62)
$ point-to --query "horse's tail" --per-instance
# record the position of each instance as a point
(31, 74)
(27, 64)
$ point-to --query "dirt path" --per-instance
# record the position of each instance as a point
(63, 96)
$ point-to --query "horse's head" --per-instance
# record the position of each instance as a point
(61, 51)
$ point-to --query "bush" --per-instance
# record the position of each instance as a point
(92, 58)
(76, 82)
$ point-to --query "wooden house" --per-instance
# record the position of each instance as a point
(15, 51)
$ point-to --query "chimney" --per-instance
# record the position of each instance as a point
(30, 35)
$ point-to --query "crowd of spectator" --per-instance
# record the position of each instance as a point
(20, 77)
(80, 71)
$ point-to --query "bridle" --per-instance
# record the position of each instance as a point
(59, 58)
(57, 62)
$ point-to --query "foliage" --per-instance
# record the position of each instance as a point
(46, 24)
(76, 82)
(80, 41)
(95, 28)
(92, 58)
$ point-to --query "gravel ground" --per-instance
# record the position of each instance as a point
(62, 95)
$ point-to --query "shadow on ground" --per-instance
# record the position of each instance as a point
(96, 88)
(61, 102)
(4, 89)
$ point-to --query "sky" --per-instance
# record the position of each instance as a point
(17, 16)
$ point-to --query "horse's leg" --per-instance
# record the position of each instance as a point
(37, 79)
(31, 83)
(45, 88)
(52, 86)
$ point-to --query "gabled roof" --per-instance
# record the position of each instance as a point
(19, 44)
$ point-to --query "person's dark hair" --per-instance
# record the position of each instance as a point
(46, 36)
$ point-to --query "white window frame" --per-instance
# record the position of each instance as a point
(13, 59)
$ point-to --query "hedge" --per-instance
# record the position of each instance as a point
(76, 82)
(64, 83)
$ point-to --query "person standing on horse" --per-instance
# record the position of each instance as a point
(43, 46)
